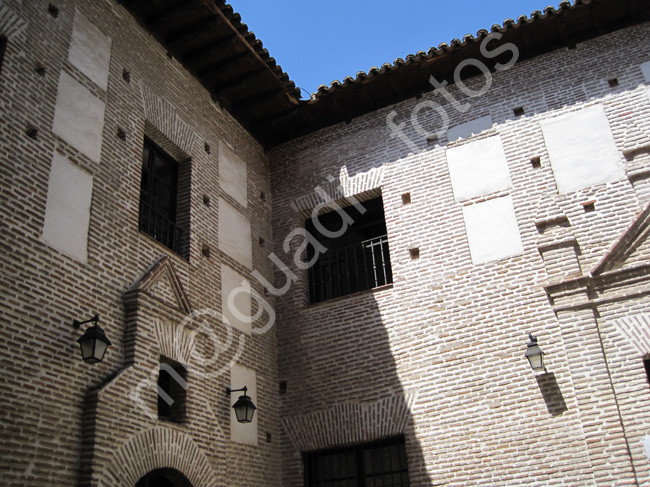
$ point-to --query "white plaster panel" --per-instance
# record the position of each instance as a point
(232, 295)
(645, 69)
(646, 446)
(467, 129)
(79, 117)
(478, 168)
(582, 149)
(245, 433)
(90, 50)
(235, 234)
(67, 212)
(492, 230)
(232, 174)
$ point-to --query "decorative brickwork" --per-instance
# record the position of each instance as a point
(350, 423)
(159, 448)
(11, 24)
(162, 115)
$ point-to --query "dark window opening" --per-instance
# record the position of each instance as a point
(646, 363)
(172, 386)
(382, 463)
(355, 261)
(158, 196)
(3, 47)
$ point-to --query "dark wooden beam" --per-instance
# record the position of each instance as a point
(217, 69)
(260, 124)
(563, 32)
(220, 88)
(215, 8)
(205, 51)
(526, 41)
(176, 40)
(258, 99)
(338, 109)
(394, 84)
(307, 117)
(169, 14)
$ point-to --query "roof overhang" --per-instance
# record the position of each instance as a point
(212, 43)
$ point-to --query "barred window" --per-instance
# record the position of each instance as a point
(378, 464)
(158, 196)
(355, 261)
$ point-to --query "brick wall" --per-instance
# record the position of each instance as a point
(66, 422)
(437, 356)
(450, 332)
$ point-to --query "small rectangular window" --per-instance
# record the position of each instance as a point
(158, 196)
(354, 261)
(382, 463)
(3, 47)
(172, 385)
(646, 363)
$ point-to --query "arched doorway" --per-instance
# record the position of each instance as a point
(164, 477)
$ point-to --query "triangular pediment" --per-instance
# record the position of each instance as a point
(161, 282)
(632, 248)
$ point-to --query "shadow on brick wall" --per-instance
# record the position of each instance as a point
(552, 394)
(342, 385)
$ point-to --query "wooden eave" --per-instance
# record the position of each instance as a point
(212, 43)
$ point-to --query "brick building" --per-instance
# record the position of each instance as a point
(368, 263)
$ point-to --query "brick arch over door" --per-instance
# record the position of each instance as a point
(159, 448)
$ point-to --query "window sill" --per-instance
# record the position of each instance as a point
(163, 247)
(374, 290)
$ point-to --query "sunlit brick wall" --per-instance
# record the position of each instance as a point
(495, 219)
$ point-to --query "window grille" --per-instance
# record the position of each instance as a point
(158, 196)
(378, 464)
(355, 261)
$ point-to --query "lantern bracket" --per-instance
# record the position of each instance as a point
(230, 391)
(77, 324)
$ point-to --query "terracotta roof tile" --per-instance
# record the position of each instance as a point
(454, 44)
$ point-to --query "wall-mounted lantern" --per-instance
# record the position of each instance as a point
(244, 407)
(93, 342)
(534, 354)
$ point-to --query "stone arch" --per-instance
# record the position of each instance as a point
(159, 448)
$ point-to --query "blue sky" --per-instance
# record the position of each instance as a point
(317, 42)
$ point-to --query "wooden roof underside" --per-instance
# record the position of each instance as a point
(210, 40)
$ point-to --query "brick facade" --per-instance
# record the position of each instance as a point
(67, 423)
(435, 356)
(452, 332)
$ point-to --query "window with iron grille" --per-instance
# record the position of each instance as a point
(355, 261)
(378, 464)
(158, 196)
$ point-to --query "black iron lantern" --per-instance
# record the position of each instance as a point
(93, 342)
(244, 407)
(534, 354)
